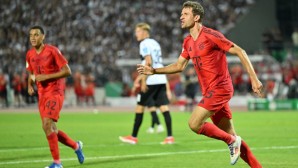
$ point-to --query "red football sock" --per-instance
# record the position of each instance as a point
(66, 140)
(248, 157)
(212, 131)
(53, 144)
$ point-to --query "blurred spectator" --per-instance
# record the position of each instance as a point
(93, 34)
(273, 44)
(289, 79)
(295, 43)
(126, 91)
(190, 89)
(90, 89)
(236, 72)
(295, 37)
(28, 99)
(269, 86)
(175, 84)
(17, 88)
(3, 90)
(78, 88)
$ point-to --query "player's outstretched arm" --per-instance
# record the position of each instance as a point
(256, 84)
(176, 67)
(64, 72)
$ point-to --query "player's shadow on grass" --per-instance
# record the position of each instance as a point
(112, 161)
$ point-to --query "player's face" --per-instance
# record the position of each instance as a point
(140, 34)
(187, 18)
(36, 37)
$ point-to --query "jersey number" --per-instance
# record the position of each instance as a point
(197, 62)
(51, 104)
(158, 58)
(209, 94)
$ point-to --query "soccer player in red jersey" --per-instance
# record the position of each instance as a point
(47, 68)
(207, 49)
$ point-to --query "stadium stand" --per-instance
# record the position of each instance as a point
(94, 34)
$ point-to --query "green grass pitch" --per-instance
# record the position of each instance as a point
(273, 137)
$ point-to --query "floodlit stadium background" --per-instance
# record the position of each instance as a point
(97, 37)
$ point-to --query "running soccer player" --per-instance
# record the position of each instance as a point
(47, 68)
(207, 48)
(155, 89)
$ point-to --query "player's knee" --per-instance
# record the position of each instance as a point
(47, 126)
(194, 125)
(164, 108)
(140, 109)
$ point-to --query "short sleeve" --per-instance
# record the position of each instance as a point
(28, 65)
(184, 52)
(59, 58)
(144, 49)
(219, 39)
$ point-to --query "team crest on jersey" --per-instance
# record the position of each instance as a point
(201, 46)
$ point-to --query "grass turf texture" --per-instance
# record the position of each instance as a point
(272, 135)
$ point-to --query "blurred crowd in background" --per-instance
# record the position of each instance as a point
(93, 34)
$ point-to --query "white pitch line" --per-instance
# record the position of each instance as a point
(62, 147)
(148, 155)
(87, 146)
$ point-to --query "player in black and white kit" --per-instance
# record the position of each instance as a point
(153, 86)
(155, 123)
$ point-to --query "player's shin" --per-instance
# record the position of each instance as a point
(53, 144)
(66, 140)
(212, 131)
(137, 124)
(248, 156)
(168, 121)
(155, 119)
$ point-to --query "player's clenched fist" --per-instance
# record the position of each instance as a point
(30, 90)
(257, 87)
(144, 69)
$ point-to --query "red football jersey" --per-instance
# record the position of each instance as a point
(48, 61)
(208, 54)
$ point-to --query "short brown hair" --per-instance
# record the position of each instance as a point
(37, 27)
(144, 26)
(197, 8)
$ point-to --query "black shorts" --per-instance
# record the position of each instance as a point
(156, 95)
(151, 103)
